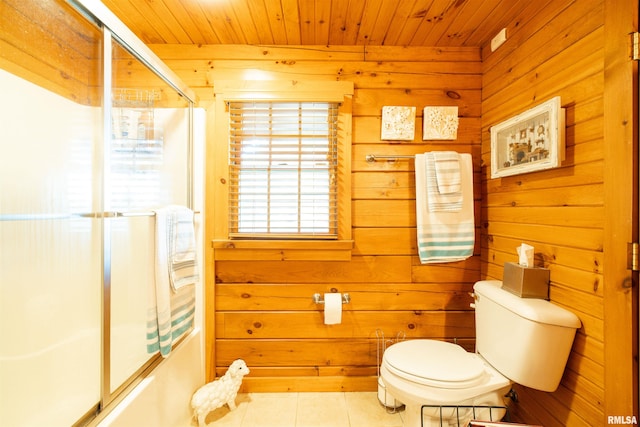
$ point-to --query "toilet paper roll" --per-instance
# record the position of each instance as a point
(332, 308)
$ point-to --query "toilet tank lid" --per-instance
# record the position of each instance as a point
(537, 310)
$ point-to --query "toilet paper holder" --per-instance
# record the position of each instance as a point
(317, 298)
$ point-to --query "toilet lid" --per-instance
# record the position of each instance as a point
(435, 363)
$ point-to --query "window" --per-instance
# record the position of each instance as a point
(283, 163)
(280, 185)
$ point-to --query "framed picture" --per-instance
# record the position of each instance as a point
(530, 141)
(440, 123)
(398, 123)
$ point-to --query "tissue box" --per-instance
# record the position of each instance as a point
(526, 282)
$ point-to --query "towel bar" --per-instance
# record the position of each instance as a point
(370, 158)
(317, 298)
(129, 214)
(50, 216)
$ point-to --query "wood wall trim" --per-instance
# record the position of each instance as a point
(620, 155)
(282, 250)
(209, 261)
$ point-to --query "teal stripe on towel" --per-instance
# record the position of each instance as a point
(453, 244)
(446, 238)
(182, 320)
(446, 235)
(446, 253)
(447, 245)
(457, 244)
(180, 331)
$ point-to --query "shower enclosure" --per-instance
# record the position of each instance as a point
(95, 133)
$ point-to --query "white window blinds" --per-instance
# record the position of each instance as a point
(283, 169)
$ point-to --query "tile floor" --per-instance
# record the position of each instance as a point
(353, 409)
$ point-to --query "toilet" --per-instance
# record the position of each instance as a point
(518, 340)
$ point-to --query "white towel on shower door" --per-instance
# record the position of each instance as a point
(171, 311)
(181, 247)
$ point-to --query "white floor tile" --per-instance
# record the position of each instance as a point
(353, 409)
(365, 410)
(271, 410)
(322, 410)
(223, 417)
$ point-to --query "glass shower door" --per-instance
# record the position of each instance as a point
(50, 241)
(92, 142)
(147, 168)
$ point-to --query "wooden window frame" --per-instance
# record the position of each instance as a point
(229, 249)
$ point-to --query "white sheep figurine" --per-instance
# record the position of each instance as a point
(213, 395)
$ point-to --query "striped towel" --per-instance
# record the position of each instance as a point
(183, 267)
(447, 166)
(166, 326)
(443, 181)
(171, 308)
(445, 236)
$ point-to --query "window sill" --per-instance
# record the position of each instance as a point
(282, 250)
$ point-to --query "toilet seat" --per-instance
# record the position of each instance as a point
(435, 363)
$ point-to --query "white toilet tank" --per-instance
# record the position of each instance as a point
(528, 340)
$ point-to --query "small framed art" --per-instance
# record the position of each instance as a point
(531, 141)
(398, 123)
(440, 123)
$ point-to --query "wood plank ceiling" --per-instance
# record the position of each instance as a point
(318, 22)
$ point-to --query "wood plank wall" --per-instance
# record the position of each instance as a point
(556, 51)
(52, 46)
(264, 311)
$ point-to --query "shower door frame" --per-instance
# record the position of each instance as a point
(114, 30)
